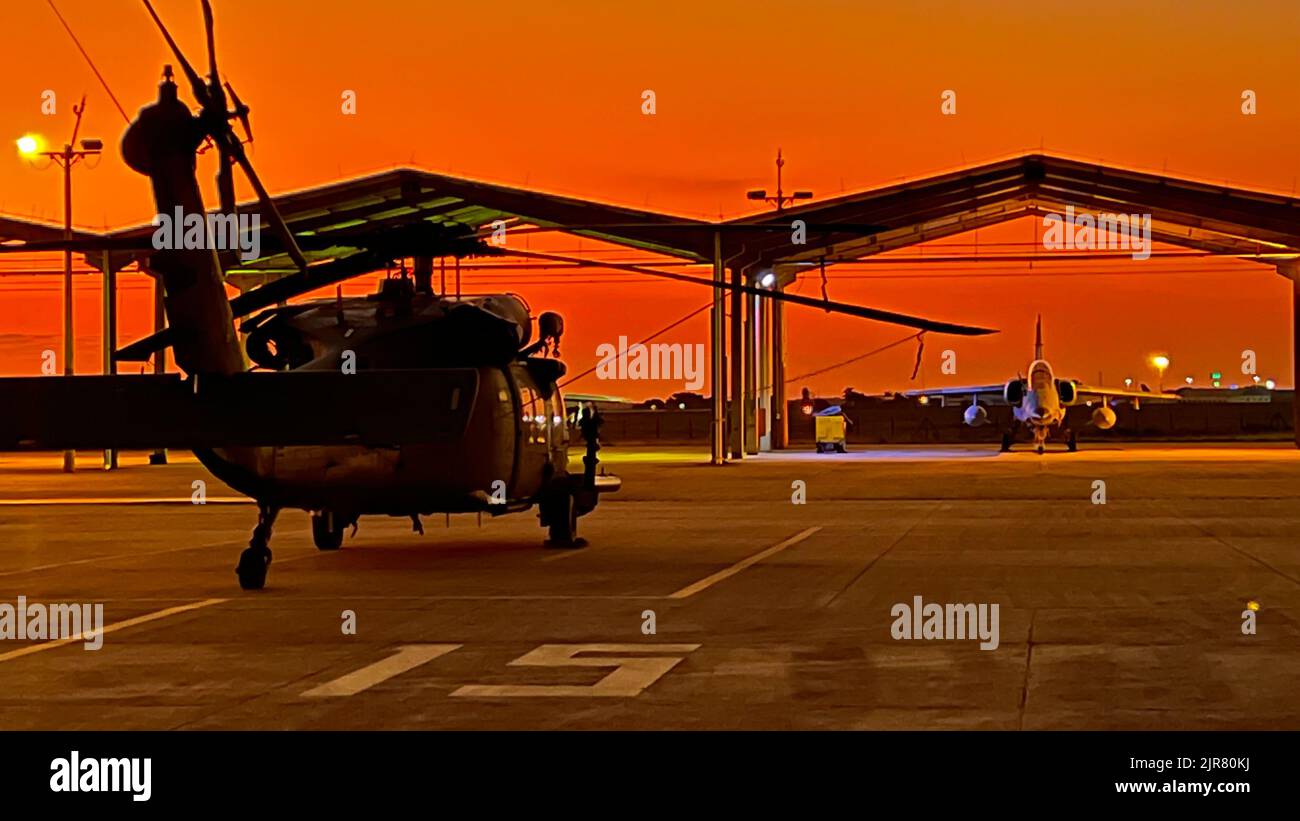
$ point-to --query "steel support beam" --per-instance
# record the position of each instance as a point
(780, 434)
(751, 371)
(764, 371)
(159, 456)
(717, 359)
(736, 417)
(1291, 270)
(109, 334)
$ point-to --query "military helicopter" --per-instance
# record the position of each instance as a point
(488, 433)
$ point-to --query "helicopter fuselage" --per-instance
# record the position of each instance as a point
(514, 445)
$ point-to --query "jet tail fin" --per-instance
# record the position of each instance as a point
(1038, 339)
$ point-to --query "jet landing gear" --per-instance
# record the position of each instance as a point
(327, 529)
(256, 558)
(1009, 436)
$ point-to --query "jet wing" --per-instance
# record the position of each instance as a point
(1082, 391)
(594, 397)
(968, 390)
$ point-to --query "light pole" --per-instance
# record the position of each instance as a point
(29, 146)
(768, 281)
(781, 200)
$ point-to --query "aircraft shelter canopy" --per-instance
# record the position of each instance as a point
(328, 219)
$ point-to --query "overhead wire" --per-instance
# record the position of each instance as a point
(91, 62)
(857, 358)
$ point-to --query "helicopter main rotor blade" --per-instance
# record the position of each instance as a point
(278, 224)
(217, 105)
(906, 320)
(224, 136)
(196, 82)
(212, 43)
(317, 276)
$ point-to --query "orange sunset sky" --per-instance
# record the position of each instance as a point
(548, 95)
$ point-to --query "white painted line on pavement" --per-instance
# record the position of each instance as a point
(726, 573)
(407, 657)
(148, 617)
(112, 556)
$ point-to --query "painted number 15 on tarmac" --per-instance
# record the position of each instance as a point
(634, 668)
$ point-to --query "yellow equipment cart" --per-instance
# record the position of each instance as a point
(831, 429)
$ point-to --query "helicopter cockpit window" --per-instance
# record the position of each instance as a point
(559, 428)
(533, 415)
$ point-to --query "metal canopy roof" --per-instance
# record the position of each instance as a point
(1213, 218)
(1198, 215)
(13, 228)
(331, 215)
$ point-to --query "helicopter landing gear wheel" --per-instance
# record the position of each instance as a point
(327, 530)
(252, 567)
(256, 558)
(560, 515)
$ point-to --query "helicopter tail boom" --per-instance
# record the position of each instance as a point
(374, 408)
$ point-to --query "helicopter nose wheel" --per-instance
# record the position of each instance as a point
(560, 515)
(256, 558)
(252, 567)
